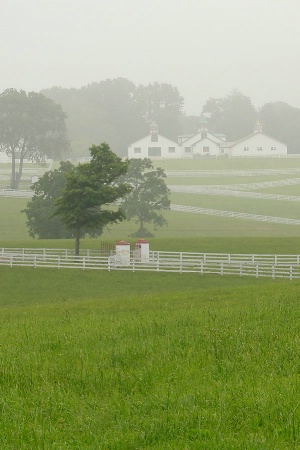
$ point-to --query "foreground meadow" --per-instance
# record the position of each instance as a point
(147, 361)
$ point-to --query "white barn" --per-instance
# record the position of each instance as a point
(154, 146)
(258, 144)
(203, 143)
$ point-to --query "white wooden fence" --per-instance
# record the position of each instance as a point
(233, 214)
(247, 186)
(255, 265)
(231, 173)
(231, 193)
(16, 193)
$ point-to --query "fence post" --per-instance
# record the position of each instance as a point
(241, 270)
(34, 264)
(291, 273)
(201, 267)
(108, 264)
(222, 268)
(157, 265)
(83, 263)
(58, 262)
(256, 270)
(273, 272)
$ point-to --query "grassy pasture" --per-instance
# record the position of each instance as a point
(210, 244)
(184, 225)
(121, 360)
(240, 204)
(222, 180)
(228, 163)
(181, 226)
(174, 362)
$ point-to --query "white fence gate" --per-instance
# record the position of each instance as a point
(255, 265)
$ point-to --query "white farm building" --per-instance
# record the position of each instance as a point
(203, 143)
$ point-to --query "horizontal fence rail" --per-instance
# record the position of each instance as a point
(16, 193)
(250, 186)
(232, 214)
(255, 265)
(231, 193)
(231, 173)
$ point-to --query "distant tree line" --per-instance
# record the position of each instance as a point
(119, 112)
(38, 126)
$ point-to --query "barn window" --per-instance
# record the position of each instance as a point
(154, 151)
(246, 149)
(137, 150)
(187, 149)
(259, 149)
(273, 148)
(171, 149)
(205, 149)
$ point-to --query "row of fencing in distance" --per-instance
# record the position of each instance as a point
(255, 265)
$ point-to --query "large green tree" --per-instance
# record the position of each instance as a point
(40, 208)
(86, 203)
(234, 115)
(149, 195)
(31, 126)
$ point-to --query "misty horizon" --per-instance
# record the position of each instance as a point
(204, 49)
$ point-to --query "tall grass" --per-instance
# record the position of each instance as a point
(212, 369)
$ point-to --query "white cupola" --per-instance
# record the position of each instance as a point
(258, 127)
(154, 132)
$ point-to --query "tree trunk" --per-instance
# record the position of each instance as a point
(77, 241)
(141, 224)
(13, 170)
(19, 173)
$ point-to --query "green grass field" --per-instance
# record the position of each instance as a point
(228, 163)
(121, 360)
(144, 361)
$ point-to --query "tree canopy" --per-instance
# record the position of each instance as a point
(40, 208)
(85, 204)
(117, 111)
(31, 126)
(149, 195)
(233, 115)
(282, 121)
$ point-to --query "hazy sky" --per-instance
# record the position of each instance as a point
(205, 48)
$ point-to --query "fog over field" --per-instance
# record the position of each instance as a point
(206, 49)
